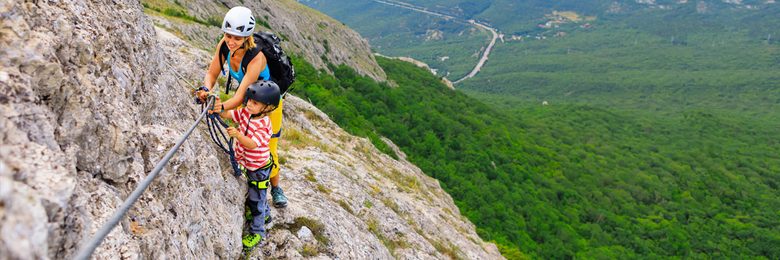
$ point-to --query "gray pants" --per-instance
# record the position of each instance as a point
(257, 200)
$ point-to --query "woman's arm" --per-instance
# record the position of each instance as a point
(253, 70)
(226, 114)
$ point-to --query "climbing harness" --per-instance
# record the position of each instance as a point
(261, 185)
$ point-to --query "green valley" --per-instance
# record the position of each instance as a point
(647, 129)
(574, 181)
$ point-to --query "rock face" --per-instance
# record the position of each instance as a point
(86, 115)
(90, 102)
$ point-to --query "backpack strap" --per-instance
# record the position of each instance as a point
(223, 53)
(248, 57)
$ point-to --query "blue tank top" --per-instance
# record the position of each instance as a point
(239, 75)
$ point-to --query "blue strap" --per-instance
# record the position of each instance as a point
(277, 134)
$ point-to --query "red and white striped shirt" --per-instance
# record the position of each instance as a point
(260, 132)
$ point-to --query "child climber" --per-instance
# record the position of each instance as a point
(252, 152)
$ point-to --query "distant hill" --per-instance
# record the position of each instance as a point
(505, 14)
(720, 54)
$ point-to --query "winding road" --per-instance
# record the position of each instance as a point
(485, 54)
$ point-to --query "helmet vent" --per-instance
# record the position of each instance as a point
(227, 25)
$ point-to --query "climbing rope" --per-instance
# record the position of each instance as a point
(93, 243)
(214, 122)
(178, 75)
(223, 142)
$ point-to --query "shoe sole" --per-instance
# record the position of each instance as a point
(280, 205)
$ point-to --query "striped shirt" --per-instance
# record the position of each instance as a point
(259, 132)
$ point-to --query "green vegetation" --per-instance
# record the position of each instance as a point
(631, 69)
(449, 250)
(171, 10)
(316, 227)
(263, 22)
(323, 189)
(346, 206)
(309, 250)
(391, 243)
(659, 140)
(569, 181)
(318, 87)
(310, 175)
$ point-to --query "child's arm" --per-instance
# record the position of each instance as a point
(244, 140)
(226, 114)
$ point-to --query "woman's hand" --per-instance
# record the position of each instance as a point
(202, 95)
(232, 132)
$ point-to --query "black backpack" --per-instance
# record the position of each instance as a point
(280, 66)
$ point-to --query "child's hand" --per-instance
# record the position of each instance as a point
(218, 108)
(233, 132)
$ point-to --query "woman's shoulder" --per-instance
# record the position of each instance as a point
(259, 56)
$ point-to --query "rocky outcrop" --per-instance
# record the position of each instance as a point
(87, 111)
(90, 102)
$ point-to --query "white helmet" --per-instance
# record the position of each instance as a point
(239, 21)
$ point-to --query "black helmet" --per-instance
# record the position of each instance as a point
(266, 92)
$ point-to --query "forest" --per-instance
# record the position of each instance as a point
(573, 180)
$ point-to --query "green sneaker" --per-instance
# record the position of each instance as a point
(251, 240)
(280, 201)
